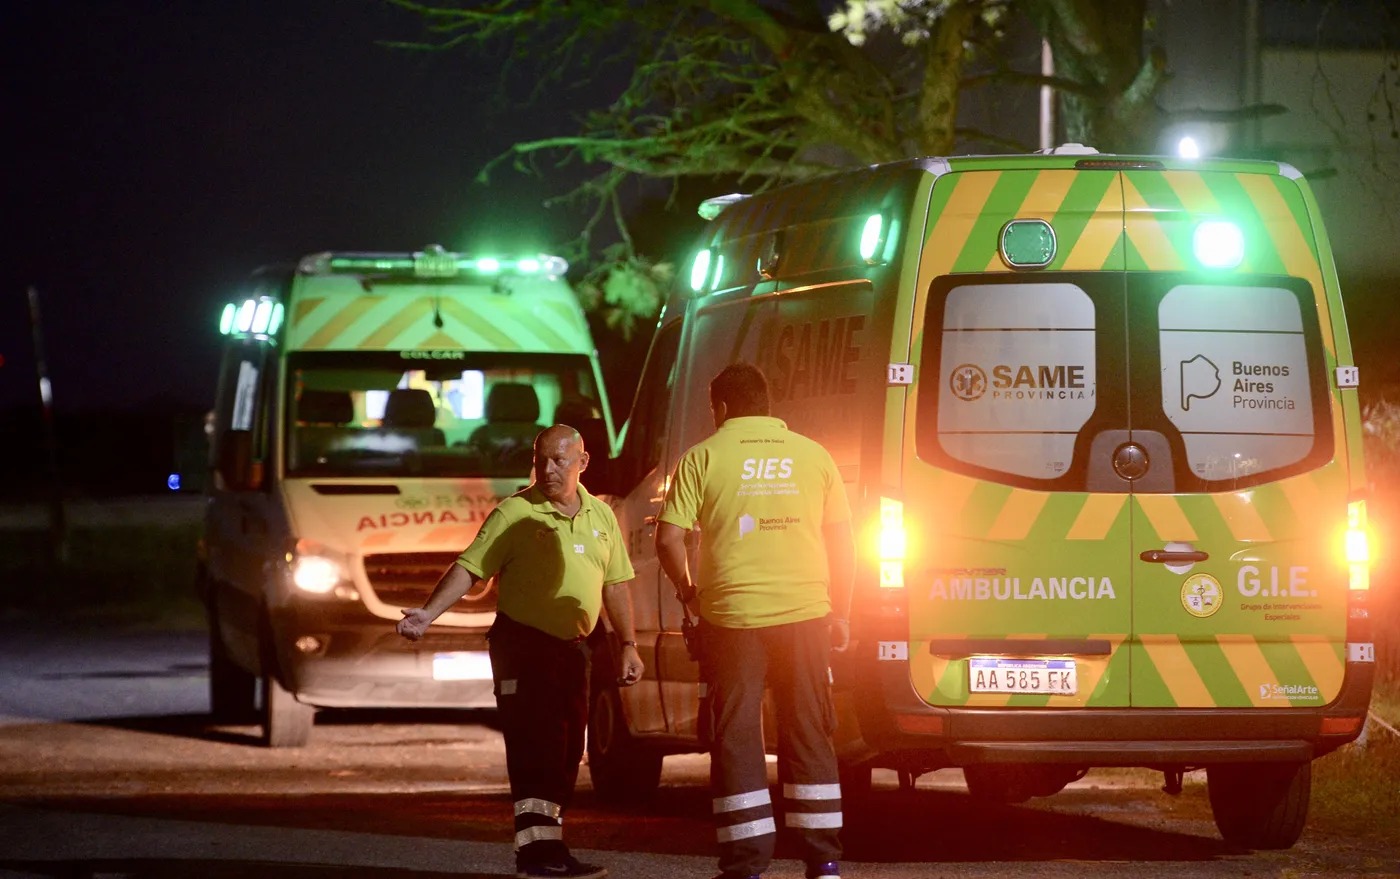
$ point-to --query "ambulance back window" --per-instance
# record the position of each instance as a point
(1224, 379)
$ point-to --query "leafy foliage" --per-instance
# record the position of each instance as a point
(623, 287)
(765, 92)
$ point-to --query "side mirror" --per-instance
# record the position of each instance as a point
(236, 466)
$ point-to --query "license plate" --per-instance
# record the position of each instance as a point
(462, 665)
(994, 674)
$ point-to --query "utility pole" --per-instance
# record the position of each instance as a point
(58, 523)
(1047, 98)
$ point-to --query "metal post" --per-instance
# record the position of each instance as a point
(1047, 98)
(58, 523)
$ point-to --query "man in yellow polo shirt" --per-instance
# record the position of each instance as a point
(558, 556)
(776, 567)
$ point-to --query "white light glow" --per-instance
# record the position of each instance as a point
(1219, 244)
(315, 574)
(700, 270)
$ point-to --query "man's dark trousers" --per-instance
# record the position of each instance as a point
(541, 688)
(793, 660)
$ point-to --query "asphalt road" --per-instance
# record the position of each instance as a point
(109, 766)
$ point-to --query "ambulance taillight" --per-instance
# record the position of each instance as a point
(893, 543)
(1358, 545)
(1356, 551)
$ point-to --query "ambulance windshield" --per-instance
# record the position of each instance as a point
(429, 413)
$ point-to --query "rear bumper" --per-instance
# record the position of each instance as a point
(359, 661)
(896, 728)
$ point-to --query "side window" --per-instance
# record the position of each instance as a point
(244, 385)
(644, 444)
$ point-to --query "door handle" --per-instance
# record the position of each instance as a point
(1168, 556)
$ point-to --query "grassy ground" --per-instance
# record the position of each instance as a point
(1356, 790)
(124, 574)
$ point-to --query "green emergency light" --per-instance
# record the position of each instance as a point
(256, 318)
(1027, 244)
(432, 262)
(700, 270)
(871, 235)
(1218, 244)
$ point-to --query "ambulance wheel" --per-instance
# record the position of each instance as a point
(232, 691)
(999, 783)
(856, 781)
(1260, 805)
(623, 769)
(286, 722)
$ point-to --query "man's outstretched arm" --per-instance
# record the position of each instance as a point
(455, 582)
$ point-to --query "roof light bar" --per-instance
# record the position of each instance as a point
(432, 262)
(255, 318)
(711, 207)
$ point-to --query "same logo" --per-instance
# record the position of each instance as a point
(967, 381)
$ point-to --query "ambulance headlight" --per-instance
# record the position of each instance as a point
(1218, 244)
(318, 570)
(315, 574)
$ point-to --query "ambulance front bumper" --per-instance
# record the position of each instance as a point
(345, 657)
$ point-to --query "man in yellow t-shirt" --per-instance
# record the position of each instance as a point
(558, 557)
(776, 565)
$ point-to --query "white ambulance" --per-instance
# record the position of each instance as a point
(372, 409)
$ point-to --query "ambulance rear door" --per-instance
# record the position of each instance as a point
(1018, 571)
(1239, 493)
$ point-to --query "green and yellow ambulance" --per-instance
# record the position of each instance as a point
(1097, 418)
(372, 409)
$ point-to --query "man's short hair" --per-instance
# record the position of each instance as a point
(742, 389)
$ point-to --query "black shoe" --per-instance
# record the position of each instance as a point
(568, 868)
(829, 870)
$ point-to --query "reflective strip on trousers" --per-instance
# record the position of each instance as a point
(761, 827)
(814, 820)
(812, 791)
(741, 801)
(535, 834)
(536, 806)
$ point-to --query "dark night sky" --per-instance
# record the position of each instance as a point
(160, 151)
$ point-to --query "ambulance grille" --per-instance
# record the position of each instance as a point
(406, 579)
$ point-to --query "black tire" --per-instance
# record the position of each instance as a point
(624, 771)
(1260, 805)
(286, 722)
(856, 782)
(996, 783)
(232, 690)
